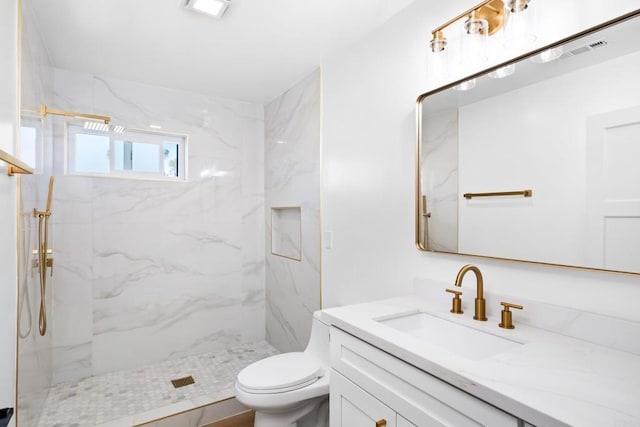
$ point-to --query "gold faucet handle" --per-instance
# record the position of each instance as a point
(456, 303)
(507, 318)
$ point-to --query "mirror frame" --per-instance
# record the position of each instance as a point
(420, 244)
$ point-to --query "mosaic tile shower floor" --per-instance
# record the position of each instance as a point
(104, 398)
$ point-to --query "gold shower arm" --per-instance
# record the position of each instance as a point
(44, 110)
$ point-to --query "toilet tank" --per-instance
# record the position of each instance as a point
(318, 345)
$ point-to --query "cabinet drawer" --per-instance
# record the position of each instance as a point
(422, 399)
(350, 406)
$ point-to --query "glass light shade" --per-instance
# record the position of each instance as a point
(474, 43)
(503, 72)
(519, 28)
(548, 55)
(437, 64)
(466, 85)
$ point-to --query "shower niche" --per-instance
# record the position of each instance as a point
(286, 232)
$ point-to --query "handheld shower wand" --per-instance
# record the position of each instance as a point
(43, 260)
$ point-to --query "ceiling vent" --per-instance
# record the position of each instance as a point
(584, 49)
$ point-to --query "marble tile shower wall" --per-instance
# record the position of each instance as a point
(292, 178)
(149, 271)
(34, 351)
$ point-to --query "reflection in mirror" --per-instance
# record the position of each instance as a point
(568, 129)
(31, 141)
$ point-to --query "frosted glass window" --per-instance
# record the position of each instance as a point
(134, 154)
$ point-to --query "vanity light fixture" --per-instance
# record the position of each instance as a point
(214, 8)
(481, 21)
(485, 18)
(519, 28)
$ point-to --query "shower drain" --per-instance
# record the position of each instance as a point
(181, 382)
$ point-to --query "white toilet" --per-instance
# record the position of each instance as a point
(290, 389)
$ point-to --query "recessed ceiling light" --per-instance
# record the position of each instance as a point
(215, 8)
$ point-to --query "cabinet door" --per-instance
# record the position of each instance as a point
(419, 397)
(403, 422)
(353, 407)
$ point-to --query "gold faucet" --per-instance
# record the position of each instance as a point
(481, 304)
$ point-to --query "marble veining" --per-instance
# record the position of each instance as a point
(147, 391)
(292, 178)
(563, 373)
(34, 365)
(439, 176)
(145, 263)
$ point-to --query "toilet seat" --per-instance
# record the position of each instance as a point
(279, 374)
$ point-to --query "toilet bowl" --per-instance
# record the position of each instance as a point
(290, 389)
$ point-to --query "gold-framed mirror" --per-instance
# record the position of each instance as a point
(542, 165)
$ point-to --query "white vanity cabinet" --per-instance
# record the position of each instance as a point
(369, 386)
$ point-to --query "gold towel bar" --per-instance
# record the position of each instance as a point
(525, 193)
(14, 165)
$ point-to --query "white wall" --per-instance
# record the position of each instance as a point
(369, 92)
(8, 124)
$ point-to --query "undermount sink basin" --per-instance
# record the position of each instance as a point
(458, 339)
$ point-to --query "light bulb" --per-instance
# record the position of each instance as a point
(475, 41)
(503, 72)
(466, 85)
(519, 28)
(548, 55)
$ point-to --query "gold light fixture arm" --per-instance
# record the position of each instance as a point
(44, 111)
(491, 10)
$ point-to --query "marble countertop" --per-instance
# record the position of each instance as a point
(549, 380)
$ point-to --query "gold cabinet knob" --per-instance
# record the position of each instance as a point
(507, 320)
(381, 423)
(456, 303)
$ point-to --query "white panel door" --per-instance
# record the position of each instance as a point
(351, 406)
(613, 190)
